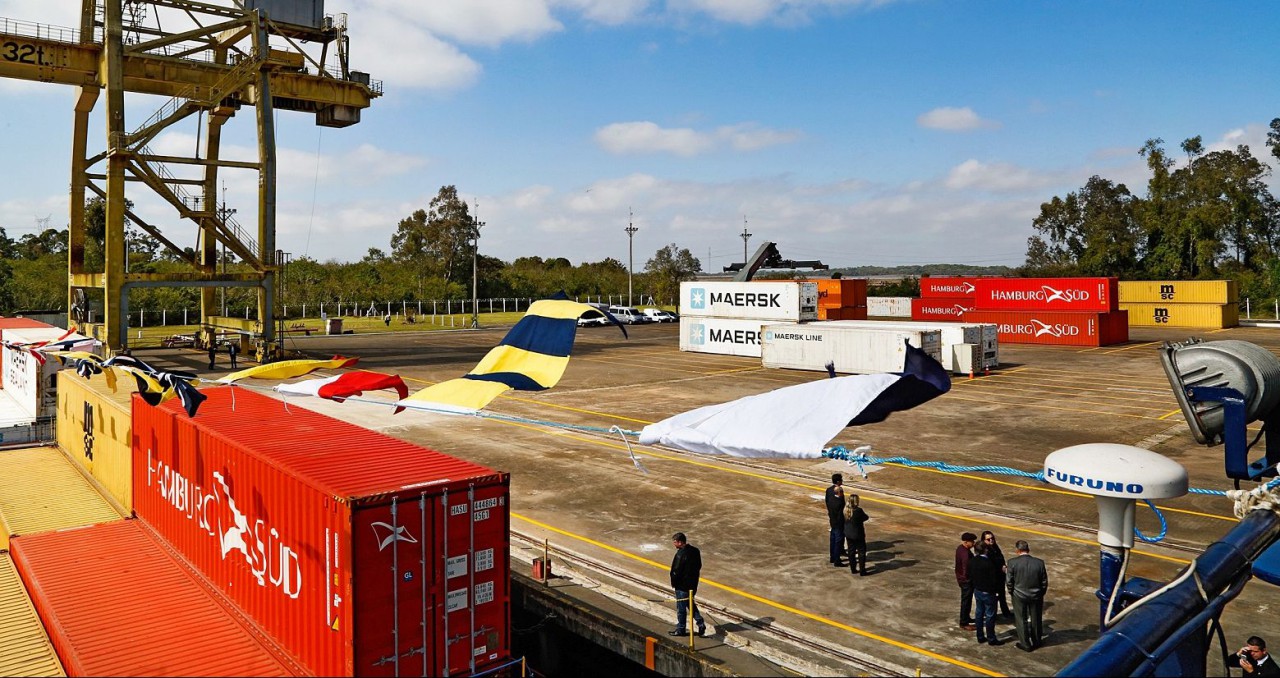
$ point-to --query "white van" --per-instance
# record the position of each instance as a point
(658, 315)
(628, 315)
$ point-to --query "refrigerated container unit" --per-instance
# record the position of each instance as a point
(40, 491)
(721, 336)
(1179, 292)
(16, 323)
(1196, 316)
(32, 383)
(94, 424)
(853, 349)
(358, 553)
(889, 307)
(1057, 328)
(777, 301)
(984, 336)
(1097, 295)
(116, 602)
(948, 309)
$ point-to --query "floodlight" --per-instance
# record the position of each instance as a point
(1221, 387)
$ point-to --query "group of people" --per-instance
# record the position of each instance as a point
(233, 350)
(983, 574)
(848, 527)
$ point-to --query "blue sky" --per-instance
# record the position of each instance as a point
(890, 132)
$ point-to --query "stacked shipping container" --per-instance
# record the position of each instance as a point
(1067, 311)
(356, 552)
(842, 298)
(726, 317)
(1200, 304)
(1061, 311)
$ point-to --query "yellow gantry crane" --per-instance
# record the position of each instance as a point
(214, 59)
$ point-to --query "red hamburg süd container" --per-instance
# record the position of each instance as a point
(945, 309)
(1048, 327)
(358, 553)
(1047, 294)
(949, 287)
(116, 603)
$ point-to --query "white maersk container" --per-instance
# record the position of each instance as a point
(889, 307)
(980, 334)
(853, 349)
(771, 301)
(31, 385)
(725, 336)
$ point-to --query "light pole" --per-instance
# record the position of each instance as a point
(475, 290)
(745, 237)
(631, 262)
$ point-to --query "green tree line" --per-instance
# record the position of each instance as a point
(1213, 217)
(429, 257)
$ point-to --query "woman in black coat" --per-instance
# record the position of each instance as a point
(855, 535)
(997, 559)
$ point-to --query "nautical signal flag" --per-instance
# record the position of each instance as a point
(347, 385)
(798, 421)
(532, 357)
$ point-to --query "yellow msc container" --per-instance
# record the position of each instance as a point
(95, 429)
(27, 650)
(1179, 292)
(41, 491)
(1196, 316)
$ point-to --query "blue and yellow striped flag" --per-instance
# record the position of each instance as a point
(532, 357)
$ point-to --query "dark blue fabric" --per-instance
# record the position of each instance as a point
(548, 336)
(922, 379)
(516, 380)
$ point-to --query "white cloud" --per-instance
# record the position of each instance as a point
(414, 57)
(647, 137)
(606, 12)
(476, 22)
(999, 177)
(786, 12)
(955, 120)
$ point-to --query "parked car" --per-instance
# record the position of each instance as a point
(658, 315)
(628, 315)
(590, 319)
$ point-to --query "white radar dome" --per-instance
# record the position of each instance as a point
(1116, 475)
(1112, 470)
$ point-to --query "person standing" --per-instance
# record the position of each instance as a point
(233, 349)
(213, 352)
(1027, 582)
(855, 535)
(1254, 658)
(835, 516)
(987, 579)
(686, 568)
(997, 556)
(964, 553)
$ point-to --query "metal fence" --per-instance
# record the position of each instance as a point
(150, 317)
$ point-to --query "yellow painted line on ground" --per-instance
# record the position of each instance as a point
(771, 603)
(818, 488)
(1166, 416)
(575, 409)
(1129, 348)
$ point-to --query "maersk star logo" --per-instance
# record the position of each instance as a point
(697, 334)
(698, 299)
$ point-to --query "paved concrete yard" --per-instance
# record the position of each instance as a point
(761, 524)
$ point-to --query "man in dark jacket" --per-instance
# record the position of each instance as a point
(1027, 581)
(686, 568)
(964, 553)
(835, 515)
(987, 580)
